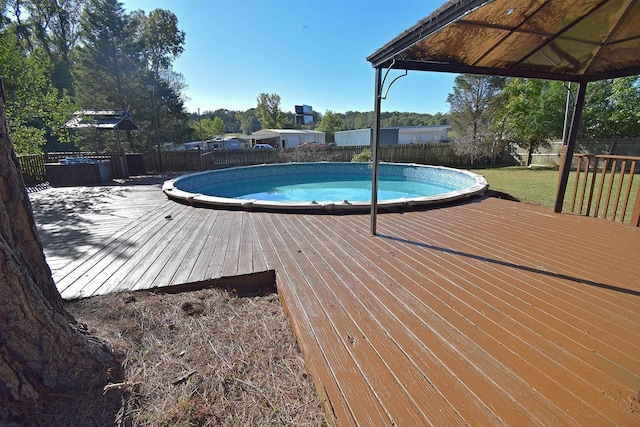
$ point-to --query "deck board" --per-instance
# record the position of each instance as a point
(487, 313)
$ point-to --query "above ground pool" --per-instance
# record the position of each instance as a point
(323, 186)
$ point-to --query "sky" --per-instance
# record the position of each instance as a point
(311, 53)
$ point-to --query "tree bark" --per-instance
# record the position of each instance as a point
(530, 149)
(43, 351)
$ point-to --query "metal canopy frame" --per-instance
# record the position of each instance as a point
(115, 120)
(102, 119)
(567, 40)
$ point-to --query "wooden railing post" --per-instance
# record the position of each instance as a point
(612, 187)
(635, 216)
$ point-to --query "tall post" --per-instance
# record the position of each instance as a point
(151, 88)
(565, 166)
(123, 158)
(567, 110)
(375, 143)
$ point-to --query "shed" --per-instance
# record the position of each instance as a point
(287, 138)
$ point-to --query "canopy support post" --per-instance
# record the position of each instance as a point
(375, 143)
(565, 166)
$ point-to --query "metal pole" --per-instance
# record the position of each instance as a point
(565, 167)
(375, 144)
(155, 124)
(567, 107)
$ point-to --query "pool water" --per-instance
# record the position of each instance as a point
(340, 188)
(323, 186)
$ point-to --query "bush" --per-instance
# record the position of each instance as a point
(309, 153)
(365, 156)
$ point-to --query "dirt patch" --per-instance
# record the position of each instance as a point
(203, 358)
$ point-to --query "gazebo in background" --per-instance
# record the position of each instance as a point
(115, 120)
(567, 40)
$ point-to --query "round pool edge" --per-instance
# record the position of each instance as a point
(201, 200)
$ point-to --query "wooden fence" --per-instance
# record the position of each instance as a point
(604, 187)
(34, 172)
(32, 168)
(550, 156)
(195, 160)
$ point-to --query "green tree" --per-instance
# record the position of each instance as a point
(160, 38)
(474, 103)
(218, 126)
(357, 120)
(612, 109)
(35, 111)
(115, 62)
(625, 103)
(207, 128)
(268, 111)
(50, 32)
(230, 119)
(330, 124)
(533, 112)
(249, 123)
(109, 71)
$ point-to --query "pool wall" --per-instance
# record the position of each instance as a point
(188, 188)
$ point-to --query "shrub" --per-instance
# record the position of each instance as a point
(365, 156)
(309, 153)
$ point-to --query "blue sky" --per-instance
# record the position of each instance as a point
(309, 53)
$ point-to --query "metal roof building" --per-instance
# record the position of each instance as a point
(287, 138)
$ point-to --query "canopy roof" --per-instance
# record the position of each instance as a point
(102, 119)
(569, 40)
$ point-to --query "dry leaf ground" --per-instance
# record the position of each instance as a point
(202, 358)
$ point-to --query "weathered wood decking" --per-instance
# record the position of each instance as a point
(485, 313)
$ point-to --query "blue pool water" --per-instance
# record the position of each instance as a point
(340, 188)
(332, 186)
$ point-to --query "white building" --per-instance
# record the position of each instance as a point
(394, 135)
(423, 134)
(286, 138)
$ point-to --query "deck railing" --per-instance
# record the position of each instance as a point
(607, 187)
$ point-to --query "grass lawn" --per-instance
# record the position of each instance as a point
(539, 187)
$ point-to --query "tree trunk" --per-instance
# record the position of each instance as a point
(43, 351)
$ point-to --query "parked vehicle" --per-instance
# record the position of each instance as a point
(262, 146)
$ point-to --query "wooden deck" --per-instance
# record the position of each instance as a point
(485, 313)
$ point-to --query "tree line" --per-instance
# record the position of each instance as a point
(57, 56)
(269, 115)
(489, 113)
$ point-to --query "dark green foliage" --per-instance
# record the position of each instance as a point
(612, 109)
(34, 108)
